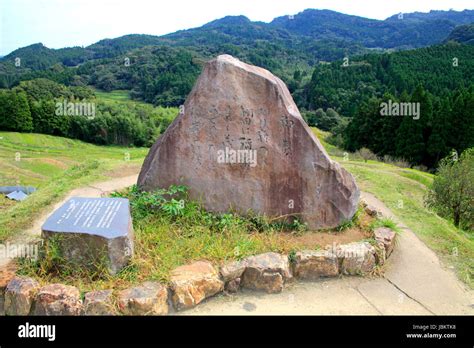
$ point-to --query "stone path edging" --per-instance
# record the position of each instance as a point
(193, 283)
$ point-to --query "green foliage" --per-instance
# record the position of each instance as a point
(158, 75)
(384, 222)
(15, 113)
(462, 34)
(366, 154)
(32, 106)
(452, 192)
(444, 123)
(174, 205)
(355, 221)
(169, 201)
(52, 262)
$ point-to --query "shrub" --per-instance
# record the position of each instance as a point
(452, 192)
(366, 154)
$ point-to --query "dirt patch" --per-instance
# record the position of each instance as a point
(126, 170)
(315, 240)
(5, 203)
(320, 239)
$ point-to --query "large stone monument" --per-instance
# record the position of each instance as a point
(240, 143)
(89, 231)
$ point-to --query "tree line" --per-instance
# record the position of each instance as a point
(439, 78)
(37, 106)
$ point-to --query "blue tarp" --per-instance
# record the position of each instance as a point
(17, 195)
(9, 189)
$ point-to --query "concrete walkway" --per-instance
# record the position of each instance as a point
(414, 282)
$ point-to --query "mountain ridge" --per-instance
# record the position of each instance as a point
(288, 23)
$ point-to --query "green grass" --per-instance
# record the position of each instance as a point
(122, 96)
(170, 230)
(425, 179)
(53, 165)
(403, 191)
(117, 95)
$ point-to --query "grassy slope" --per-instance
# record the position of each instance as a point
(117, 95)
(55, 166)
(402, 190)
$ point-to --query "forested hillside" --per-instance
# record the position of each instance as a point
(440, 78)
(36, 106)
(339, 69)
(286, 44)
(406, 30)
(462, 34)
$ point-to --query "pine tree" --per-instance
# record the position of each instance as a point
(437, 146)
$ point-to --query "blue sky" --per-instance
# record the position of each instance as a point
(63, 23)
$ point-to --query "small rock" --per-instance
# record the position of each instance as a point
(193, 283)
(356, 258)
(267, 272)
(372, 211)
(232, 286)
(150, 298)
(310, 264)
(58, 299)
(232, 270)
(249, 306)
(380, 254)
(99, 303)
(19, 295)
(386, 238)
(7, 273)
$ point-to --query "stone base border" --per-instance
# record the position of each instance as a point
(191, 284)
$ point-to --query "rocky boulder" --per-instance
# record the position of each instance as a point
(150, 298)
(240, 143)
(314, 264)
(231, 274)
(267, 272)
(356, 258)
(58, 299)
(371, 210)
(193, 283)
(385, 237)
(7, 273)
(99, 303)
(19, 295)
